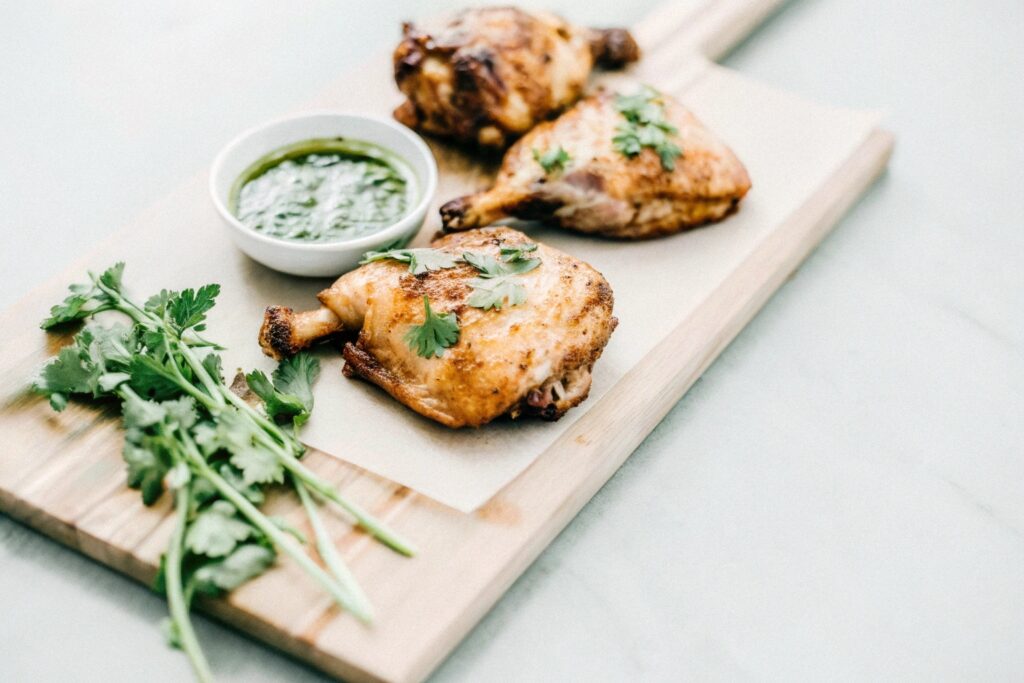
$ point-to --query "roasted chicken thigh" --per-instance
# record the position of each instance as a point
(625, 167)
(531, 356)
(488, 75)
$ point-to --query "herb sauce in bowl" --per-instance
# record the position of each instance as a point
(324, 190)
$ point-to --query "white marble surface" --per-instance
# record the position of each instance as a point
(841, 496)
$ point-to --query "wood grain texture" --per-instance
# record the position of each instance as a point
(63, 475)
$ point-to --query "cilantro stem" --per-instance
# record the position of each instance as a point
(190, 388)
(176, 600)
(280, 539)
(212, 387)
(364, 519)
(329, 554)
(280, 437)
(121, 303)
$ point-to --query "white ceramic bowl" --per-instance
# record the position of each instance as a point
(326, 258)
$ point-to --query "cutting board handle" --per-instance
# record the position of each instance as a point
(710, 28)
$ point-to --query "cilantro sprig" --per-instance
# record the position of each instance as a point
(556, 159)
(187, 431)
(435, 334)
(290, 395)
(645, 126)
(498, 283)
(420, 260)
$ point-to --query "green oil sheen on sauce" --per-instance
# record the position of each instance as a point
(324, 190)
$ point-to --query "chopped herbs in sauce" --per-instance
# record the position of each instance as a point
(324, 191)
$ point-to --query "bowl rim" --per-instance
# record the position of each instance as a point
(393, 230)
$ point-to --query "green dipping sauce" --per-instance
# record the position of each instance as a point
(324, 190)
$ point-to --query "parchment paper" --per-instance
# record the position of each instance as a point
(789, 146)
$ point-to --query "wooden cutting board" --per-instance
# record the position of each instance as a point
(63, 474)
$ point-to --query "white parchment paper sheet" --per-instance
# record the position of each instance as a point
(790, 148)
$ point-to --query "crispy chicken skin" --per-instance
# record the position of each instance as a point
(534, 358)
(488, 75)
(602, 191)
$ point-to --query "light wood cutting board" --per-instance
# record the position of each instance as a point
(63, 474)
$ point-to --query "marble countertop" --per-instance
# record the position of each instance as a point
(840, 497)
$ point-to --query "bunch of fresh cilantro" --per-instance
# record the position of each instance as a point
(187, 431)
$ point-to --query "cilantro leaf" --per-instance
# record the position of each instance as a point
(85, 300)
(627, 141)
(258, 465)
(181, 412)
(518, 252)
(153, 379)
(188, 308)
(669, 152)
(552, 160)
(154, 343)
(157, 303)
(236, 434)
(146, 471)
(645, 126)
(435, 334)
(514, 261)
(215, 366)
(278, 405)
(68, 373)
(113, 346)
(245, 562)
(296, 376)
(203, 490)
(491, 293)
(485, 263)
(520, 265)
(290, 395)
(113, 276)
(74, 307)
(420, 260)
(178, 476)
(216, 530)
(109, 382)
(140, 413)
(497, 285)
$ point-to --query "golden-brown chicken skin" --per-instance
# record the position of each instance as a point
(600, 190)
(534, 358)
(487, 75)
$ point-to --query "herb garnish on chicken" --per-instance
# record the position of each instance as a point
(627, 178)
(532, 321)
